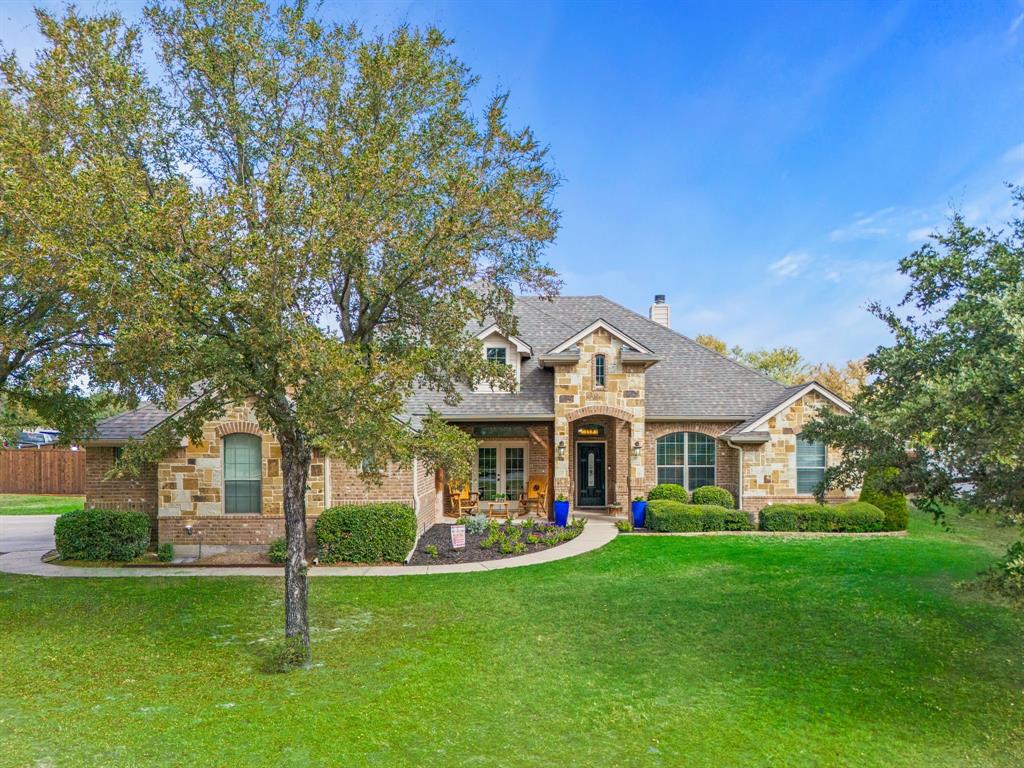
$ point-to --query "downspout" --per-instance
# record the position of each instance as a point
(415, 511)
(739, 485)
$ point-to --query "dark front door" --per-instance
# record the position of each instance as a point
(590, 475)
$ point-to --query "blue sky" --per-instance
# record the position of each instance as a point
(764, 165)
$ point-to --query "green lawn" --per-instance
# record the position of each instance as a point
(19, 504)
(717, 651)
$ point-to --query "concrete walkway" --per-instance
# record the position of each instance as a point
(598, 532)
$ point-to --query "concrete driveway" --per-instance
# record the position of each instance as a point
(20, 533)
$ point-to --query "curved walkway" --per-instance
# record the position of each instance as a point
(597, 533)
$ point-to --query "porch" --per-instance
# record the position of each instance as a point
(513, 459)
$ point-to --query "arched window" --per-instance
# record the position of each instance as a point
(243, 470)
(687, 459)
(598, 370)
(810, 464)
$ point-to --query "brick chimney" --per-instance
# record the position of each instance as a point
(660, 311)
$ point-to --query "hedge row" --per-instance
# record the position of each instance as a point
(101, 534)
(366, 533)
(667, 516)
(852, 517)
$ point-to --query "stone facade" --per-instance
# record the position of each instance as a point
(769, 470)
(577, 396)
(191, 479)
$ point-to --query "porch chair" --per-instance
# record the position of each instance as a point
(465, 501)
(533, 499)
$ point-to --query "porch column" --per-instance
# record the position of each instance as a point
(637, 482)
(561, 486)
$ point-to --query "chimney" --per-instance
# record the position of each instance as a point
(660, 311)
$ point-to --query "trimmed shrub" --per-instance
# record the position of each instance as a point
(278, 551)
(669, 491)
(366, 533)
(892, 504)
(714, 495)
(101, 534)
(165, 552)
(852, 517)
(667, 516)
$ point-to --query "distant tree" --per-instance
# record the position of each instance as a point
(945, 409)
(303, 216)
(713, 343)
(846, 382)
(783, 364)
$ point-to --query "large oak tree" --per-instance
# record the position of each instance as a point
(942, 417)
(301, 215)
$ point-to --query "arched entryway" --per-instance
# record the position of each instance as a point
(598, 454)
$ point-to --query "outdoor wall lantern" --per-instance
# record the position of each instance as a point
(636, 450)
(561, 450)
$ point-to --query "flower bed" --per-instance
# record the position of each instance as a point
(491, 540)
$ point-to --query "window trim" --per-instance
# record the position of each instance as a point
(686, 466)
(797, 466)
(224, 471)
(600, 377)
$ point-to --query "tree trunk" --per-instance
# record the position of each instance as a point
(296, 457)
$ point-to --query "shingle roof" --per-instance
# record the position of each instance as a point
(690, 381)
(131, 423)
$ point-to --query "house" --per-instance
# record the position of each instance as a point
(608, 403)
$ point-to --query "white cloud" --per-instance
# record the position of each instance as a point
(1015, 24)
(1014, 154)
(919, 234)
(790, 265)
(864, 226)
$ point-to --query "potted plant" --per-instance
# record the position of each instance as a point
(639, 510)
(561, 510)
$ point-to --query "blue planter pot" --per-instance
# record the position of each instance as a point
(639, 510)
(562, 513)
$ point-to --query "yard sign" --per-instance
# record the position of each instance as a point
(458, 537)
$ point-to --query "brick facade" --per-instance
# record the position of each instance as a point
(726, 458)
(128, 492)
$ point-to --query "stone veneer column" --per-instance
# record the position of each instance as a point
(637, 482)
(561, 486)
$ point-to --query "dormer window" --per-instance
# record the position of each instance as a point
(497, 355)
(599, 371)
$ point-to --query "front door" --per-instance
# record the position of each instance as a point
(590, 475)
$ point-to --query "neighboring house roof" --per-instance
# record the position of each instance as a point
(689, 382)
(684, 380)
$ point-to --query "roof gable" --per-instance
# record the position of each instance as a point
(790, 396)
(521, 346)
(599, 324)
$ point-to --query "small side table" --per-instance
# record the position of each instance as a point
(499, 509)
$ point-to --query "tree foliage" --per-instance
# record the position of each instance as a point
(300, 216)
(945, 408)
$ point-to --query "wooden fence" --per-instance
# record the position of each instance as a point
(46, 470)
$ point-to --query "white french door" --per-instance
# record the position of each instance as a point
(500, 469)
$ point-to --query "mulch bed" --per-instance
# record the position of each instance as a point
(439, 535)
